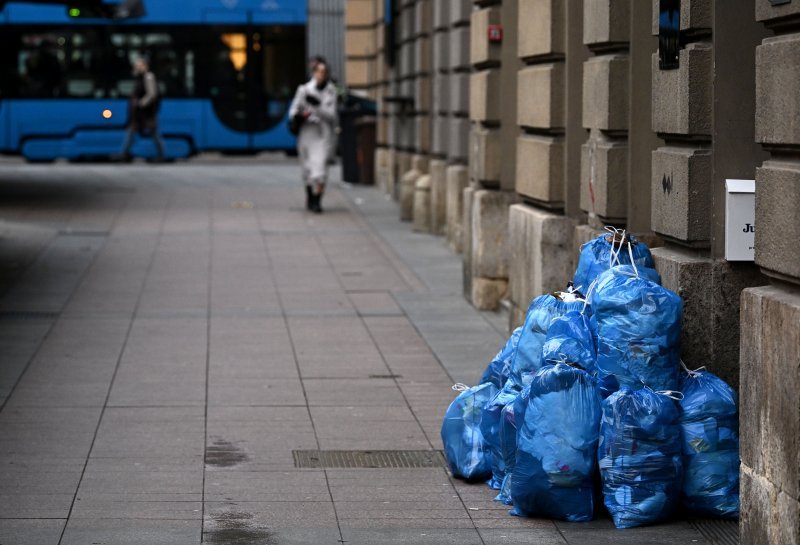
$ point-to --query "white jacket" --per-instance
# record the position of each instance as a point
(318, 134)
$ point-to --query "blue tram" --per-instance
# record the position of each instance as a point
(227, 71)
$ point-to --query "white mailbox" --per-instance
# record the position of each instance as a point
(740, 220)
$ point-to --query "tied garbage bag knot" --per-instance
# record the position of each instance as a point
(541, 313)
(464, 447)
(639, 454)
(557, 446)
(569, 340)
(638, 329)
(608, 250)
(710, 427)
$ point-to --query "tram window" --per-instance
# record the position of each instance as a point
(167, 54)
(61, 64)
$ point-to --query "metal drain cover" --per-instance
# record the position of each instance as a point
(718, 532)
(368, 459)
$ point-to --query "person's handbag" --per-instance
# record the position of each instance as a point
(296, 123)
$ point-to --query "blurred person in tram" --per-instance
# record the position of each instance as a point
(143, 113)
(313, 118)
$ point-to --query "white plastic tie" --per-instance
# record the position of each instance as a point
(672, 394)
(589, 293)
(633, 263)
(611, 256)
(694, 374)
(460, 387)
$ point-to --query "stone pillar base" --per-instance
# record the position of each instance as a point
(408, 182)
(541, 256)
(457, 181)
(438, 170)
(488, 249)
(400, 165)
(710, 289)
(466, 240)
(770, 415)
(486, 293)
(384, 170)
(422, 204)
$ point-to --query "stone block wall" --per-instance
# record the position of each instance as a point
(606, 111)
(704, 117)
(539, 180)
(770, 322)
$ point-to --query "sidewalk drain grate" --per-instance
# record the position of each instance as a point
(368, 459)
(389, 376)
(27, 315)
(718, 532)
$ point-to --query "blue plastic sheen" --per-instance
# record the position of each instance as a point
(499, 369)
(541, 312)
(569, 339)
(491, 421)
(640, 456)
(638, 331)
(466, 452)
(557, 446)
(513, 414)
(595, 258)
(710, 426)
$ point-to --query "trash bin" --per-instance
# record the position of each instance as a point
(354, 137)
(365, 152)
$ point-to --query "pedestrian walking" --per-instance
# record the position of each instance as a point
(313, 119)
(143, 112)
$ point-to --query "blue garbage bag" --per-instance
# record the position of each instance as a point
(491, 420)
(499, 369)
(569, 340)
(557, 446)
(464, 447)
(541, 312)
(596, 257)
(710, 426)
(638, 331)
(640, 456)
(513, 413)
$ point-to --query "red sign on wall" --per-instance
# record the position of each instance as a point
(495, 34)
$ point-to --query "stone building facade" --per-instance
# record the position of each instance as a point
(518, 129)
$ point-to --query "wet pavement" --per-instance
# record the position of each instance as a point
(178, 342)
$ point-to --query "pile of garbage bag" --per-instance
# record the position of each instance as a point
(570, 339)
(466, 450)
(710, 426)
(556, 462)
(541, 313)
(588, 390)
(513, 413)
(606, 251)
(640, 456)
(638, 330)
(491, 420)
(499, 369)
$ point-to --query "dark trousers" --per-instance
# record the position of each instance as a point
(143, 127)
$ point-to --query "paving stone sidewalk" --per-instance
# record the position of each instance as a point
(171, 336)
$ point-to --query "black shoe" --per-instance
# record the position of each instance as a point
(309, 198)
(317, 204)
